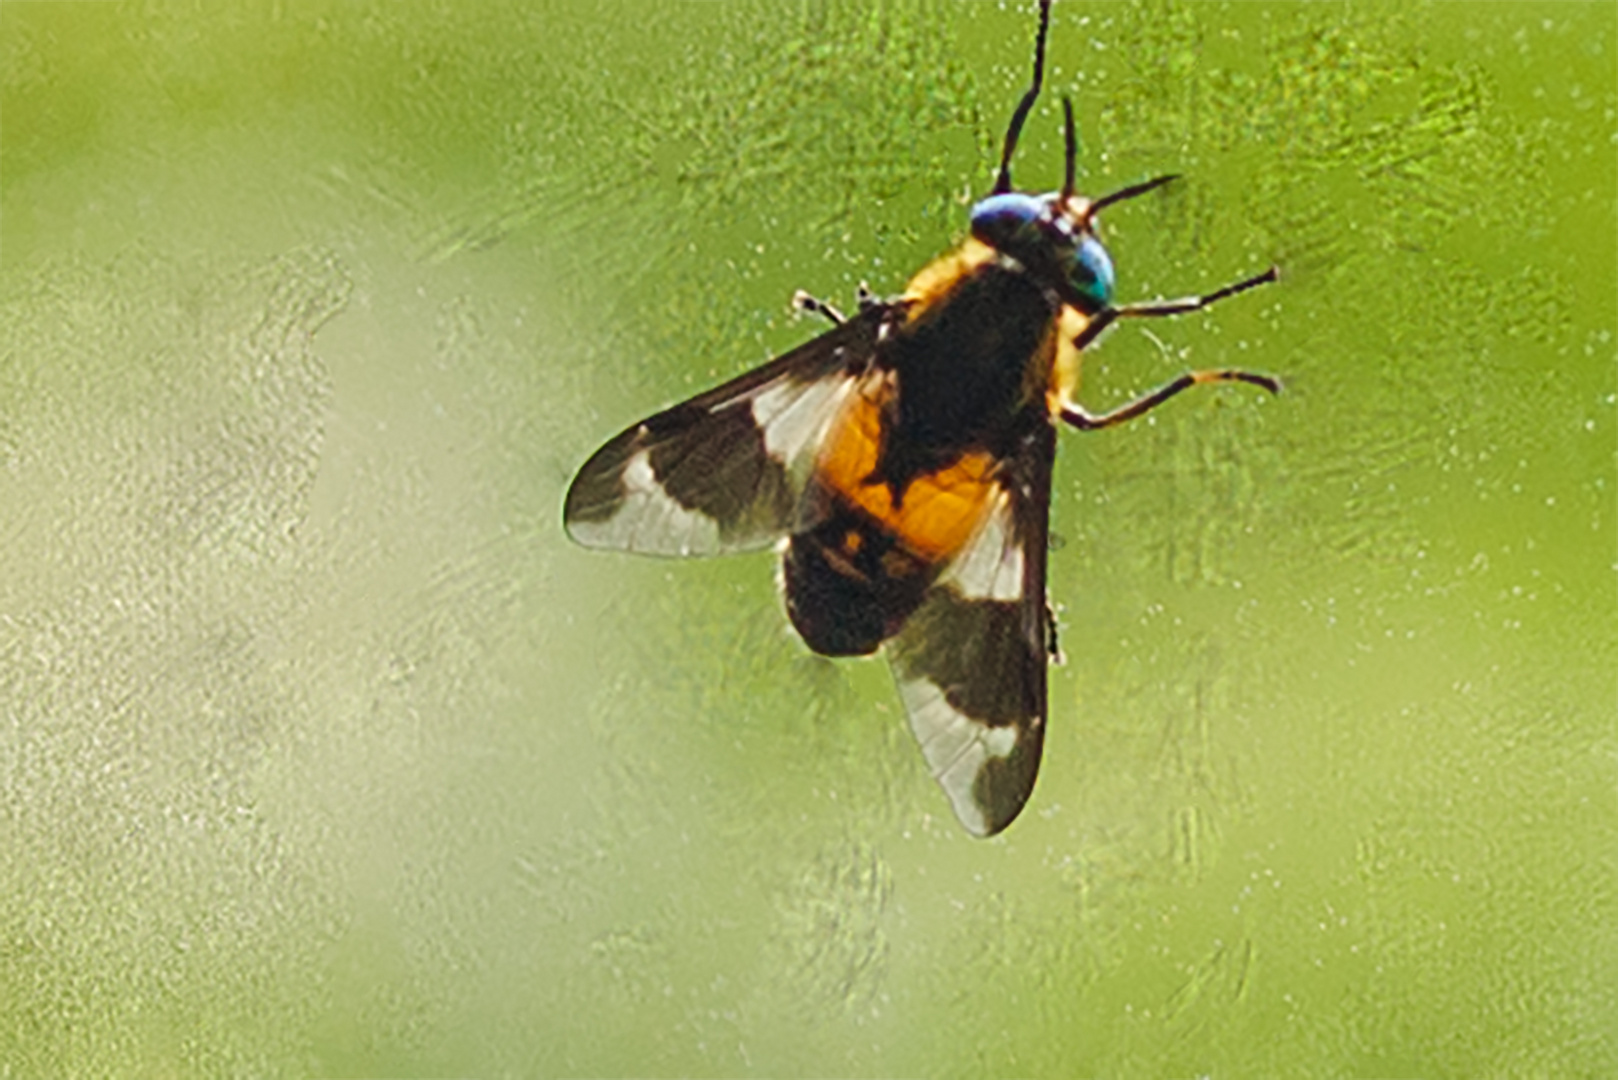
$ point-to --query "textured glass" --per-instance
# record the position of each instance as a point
(326, 754)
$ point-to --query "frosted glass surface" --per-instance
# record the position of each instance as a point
(325, 754)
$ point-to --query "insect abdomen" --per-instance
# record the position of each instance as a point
(910, 468)
(850, 582)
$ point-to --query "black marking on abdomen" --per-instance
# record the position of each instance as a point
(850, 584)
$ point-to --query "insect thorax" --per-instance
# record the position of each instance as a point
(970, 363)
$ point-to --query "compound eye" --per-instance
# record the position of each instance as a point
(1090, 273)
(1002, 220)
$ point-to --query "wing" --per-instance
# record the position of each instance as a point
(722, 472)
(970, 662)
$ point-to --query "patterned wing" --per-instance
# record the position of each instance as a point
(723, 471)
(971, 661)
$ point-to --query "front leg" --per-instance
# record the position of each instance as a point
(1158, 308)
(802, 301)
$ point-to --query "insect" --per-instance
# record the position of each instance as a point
(903, 461)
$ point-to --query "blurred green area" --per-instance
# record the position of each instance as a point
(326, 755)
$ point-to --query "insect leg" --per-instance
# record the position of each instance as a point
(1075, 414)
(1084, 420)
(1002, 183)
(804, 302)
(1194, 303)
(1155, 308)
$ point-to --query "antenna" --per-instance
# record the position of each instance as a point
(1002, 183)
(1072, 136)
(1127, 193)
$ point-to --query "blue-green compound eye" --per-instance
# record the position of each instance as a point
(1006, 222)
(1091, 272)
(1050, 245)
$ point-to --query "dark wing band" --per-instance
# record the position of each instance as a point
(723, 471)
(971, 662)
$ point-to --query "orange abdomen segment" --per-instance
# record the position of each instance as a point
(937, 512)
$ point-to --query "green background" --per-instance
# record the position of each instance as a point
(326, 754)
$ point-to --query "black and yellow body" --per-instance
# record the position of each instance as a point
(914, 462)
(904, 457)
